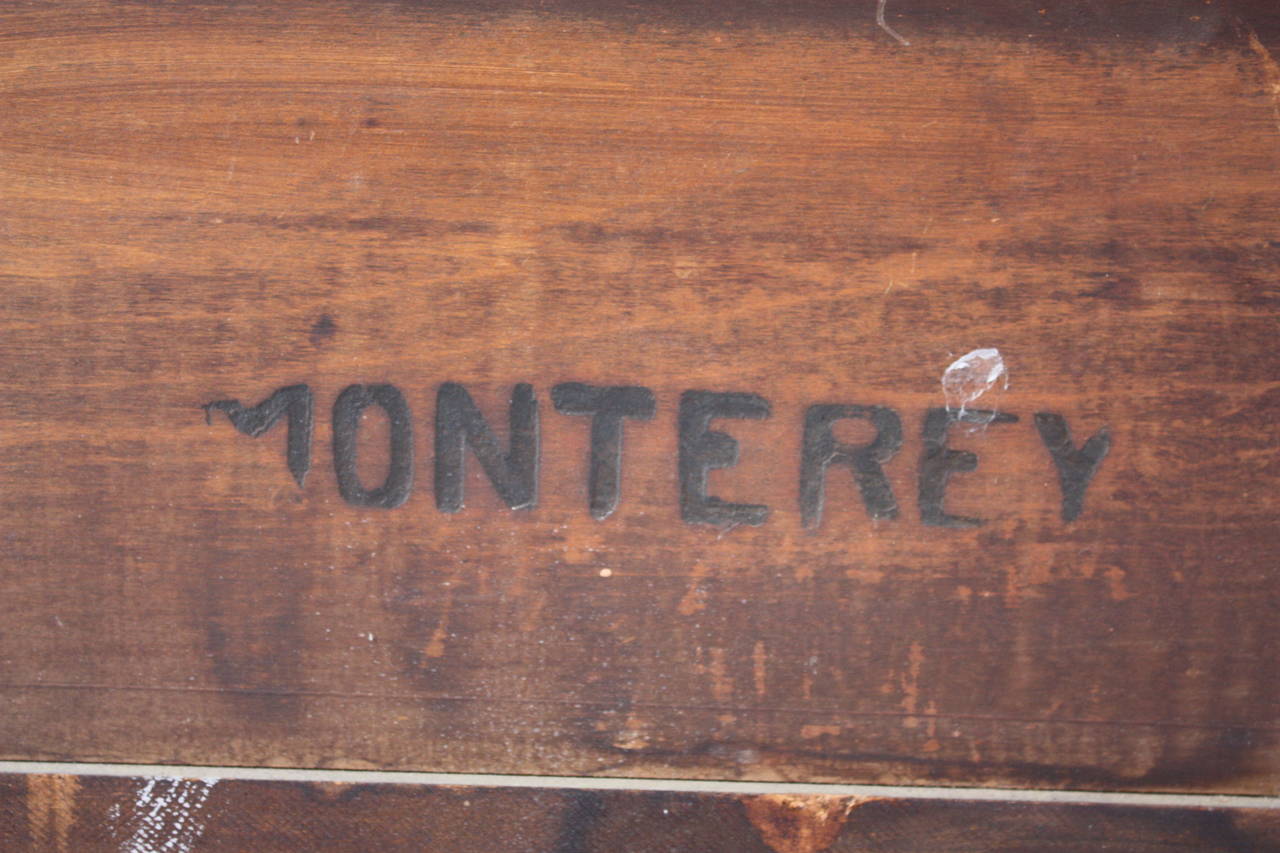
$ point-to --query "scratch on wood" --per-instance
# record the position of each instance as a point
(51, 802)
(1272, 71)
(884, 25)
(910, 683)
(791, 824)
(759, 657)
(721, 683)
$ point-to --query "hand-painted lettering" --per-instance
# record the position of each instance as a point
(820, 450)
(938, 462)
(347, 410)
(459, 425)
(514, 472)
(293, 402)
(607, 408)
(702, 449)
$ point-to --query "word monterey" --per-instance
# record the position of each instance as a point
(513, 471)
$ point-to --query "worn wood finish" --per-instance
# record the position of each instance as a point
(90, 813)
(213, 202)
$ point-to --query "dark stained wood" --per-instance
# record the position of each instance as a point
(213, 202)
(90, 813)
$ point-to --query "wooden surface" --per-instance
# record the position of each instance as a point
(207, 203)
(91, 813)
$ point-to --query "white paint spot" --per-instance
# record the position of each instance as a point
(606, 573)
(972, 375)
(165, 816)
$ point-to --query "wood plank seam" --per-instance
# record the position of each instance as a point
(607, 783)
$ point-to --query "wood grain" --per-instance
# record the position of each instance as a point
(58, 814)
(215, 201)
